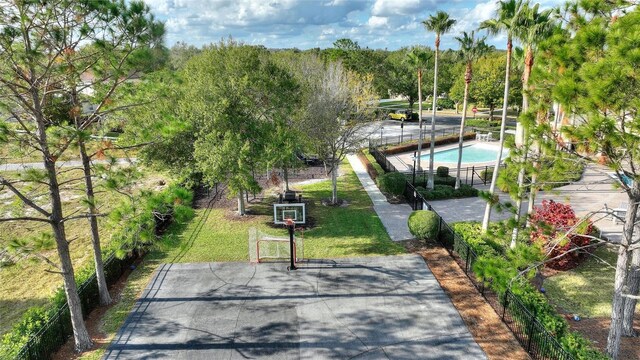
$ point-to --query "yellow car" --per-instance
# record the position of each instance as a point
(402, 115)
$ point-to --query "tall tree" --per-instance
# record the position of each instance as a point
(471, 49)
(338, 107)
(235, 98)
(506, 20)
(40, 61)
(534, 26)
(592, 73)
(418, 60)
(440, 24)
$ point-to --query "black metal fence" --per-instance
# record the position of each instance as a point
(57, 330)
(536, 340)
(474, 175)
(376, 141)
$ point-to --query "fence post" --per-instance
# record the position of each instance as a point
(530, 332)
(466, 263)
(473, 173)
(505, 303)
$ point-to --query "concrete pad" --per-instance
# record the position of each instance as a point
(362, 308)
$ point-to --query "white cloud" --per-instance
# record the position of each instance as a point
(401, 7)
(378, 22)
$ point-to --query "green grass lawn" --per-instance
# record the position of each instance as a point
(213, 235)
(588, 289)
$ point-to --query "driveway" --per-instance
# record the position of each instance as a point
(362, 308)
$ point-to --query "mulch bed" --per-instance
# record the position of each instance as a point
(597, 330)
(488, 330)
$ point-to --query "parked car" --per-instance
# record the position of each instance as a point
(402, 115)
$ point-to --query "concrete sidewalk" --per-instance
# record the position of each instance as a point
(393, 216)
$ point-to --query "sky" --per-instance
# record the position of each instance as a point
(304, 24)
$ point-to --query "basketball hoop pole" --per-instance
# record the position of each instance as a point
(291, 226)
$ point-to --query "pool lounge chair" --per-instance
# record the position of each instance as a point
(617, 214)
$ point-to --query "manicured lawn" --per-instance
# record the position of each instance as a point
(214, 235)
(588, 289)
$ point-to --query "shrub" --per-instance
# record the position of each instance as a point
(441, 192)
(549, 222)
(392, 183)
(446, 104)
(424, 224)
(486, 174)
(448, 180)
(442, 171)
(371, 170)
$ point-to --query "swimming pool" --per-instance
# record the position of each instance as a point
(471, 154)
(622, 178)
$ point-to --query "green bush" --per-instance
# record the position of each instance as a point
(424, 224)
(441, 192)
(442, 171)
(501, 265)
(446, 180)
(134, 233)
(392, 183)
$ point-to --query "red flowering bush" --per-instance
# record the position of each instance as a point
(549, 224)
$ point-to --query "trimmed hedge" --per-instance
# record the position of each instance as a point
(449, 139)
(442, 171)
(371, 170)
(441, 192)
(424, 224)
(392, 183)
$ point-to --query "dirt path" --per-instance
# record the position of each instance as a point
(493, 336)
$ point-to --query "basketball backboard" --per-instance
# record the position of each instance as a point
(293, 211)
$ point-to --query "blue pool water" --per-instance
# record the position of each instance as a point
(476, 153)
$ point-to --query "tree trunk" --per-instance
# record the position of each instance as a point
(633, 285)
(103, 290)
(457, 108)
(241, 209)
(418, 168)
(80, 334)
(285, 171)
(467, 81)
(494, 177)
(334, 183)
(618, 305)
(528, 61)
(528, 65)
(433, 115)
(492, 107)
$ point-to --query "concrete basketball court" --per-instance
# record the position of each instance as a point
(363, 308)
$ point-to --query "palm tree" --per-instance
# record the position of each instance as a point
(533, 27)
(471, 49)
(418, 59)
(440, 24)
(507, 19)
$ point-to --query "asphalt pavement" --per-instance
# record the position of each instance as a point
(388, 307)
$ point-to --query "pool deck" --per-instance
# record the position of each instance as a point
(404, 161)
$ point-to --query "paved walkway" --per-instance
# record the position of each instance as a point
(393, 216)
(595, 189)
(387, 307)
(59, 164)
